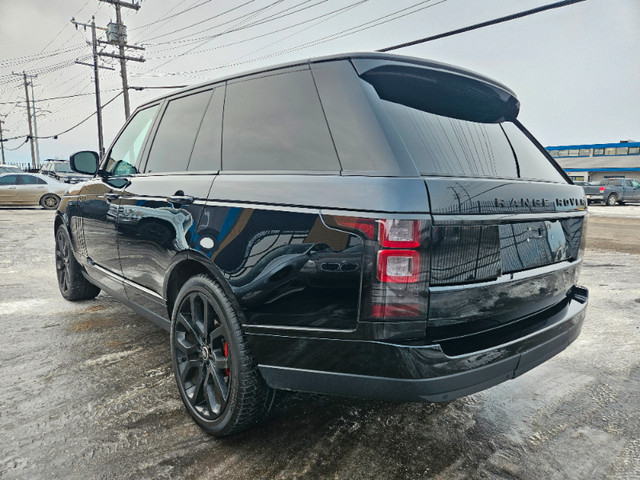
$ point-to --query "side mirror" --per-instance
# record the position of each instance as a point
(85, 162)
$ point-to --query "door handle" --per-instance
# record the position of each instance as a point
(112, 196)
(180, 199)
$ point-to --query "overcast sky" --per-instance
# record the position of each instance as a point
(576, 69)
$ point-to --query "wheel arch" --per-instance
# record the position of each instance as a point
(190, 264)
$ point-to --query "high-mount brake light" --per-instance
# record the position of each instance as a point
(398, 266)
(399, 233)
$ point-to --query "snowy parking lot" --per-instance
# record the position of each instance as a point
(87, 392)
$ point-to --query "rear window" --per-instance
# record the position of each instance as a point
(63, 168)
(457, 126)
(448, 146)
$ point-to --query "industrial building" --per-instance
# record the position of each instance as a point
(592, 163)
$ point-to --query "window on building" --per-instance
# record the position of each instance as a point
(598, 151)
(585, 152)
(610, 151)
(563, 153)
(622, 150)
(553, 153)
(574, 152)
(634, 150)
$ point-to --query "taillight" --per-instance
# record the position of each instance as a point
(399, 233)
(602, 189)
(395, 271)
(398, 266)
(366, 226)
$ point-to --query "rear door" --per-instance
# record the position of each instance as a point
(8, 189)
(160, 206)
(30, 189)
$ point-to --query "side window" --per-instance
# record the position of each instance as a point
(635, 184)
(8, 180)
(175, 137)
(27, 180)
(128, 147)
(276, 123)
(206, 151)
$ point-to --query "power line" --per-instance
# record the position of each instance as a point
(271, 18)
(507, 18)
(168, 17)
(395, 15)
(208, 19)
(288, 27)
(55, 136)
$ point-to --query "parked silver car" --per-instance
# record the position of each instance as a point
(31, 189)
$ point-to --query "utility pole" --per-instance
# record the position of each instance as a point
(2, 142)
(94, 44)
(26, 92)
(121, 42)
(35, 125)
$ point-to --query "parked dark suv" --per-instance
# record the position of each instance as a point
(366, 224)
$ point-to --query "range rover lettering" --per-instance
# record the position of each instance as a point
(364, 224)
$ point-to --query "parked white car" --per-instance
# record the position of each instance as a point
(31, 189)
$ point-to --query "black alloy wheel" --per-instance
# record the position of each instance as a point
(202, 354)
(73, 286)
(215, 373)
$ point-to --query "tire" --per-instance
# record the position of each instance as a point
(50, 201)
(216, 375)
(73, 286)
(611, 200)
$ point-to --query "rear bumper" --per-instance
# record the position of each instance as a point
(595, 198)
(412, 373)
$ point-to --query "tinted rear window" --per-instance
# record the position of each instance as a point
(276, 123)
(456, 126)
(447, 146)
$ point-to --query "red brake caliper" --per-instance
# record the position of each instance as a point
(226, 354)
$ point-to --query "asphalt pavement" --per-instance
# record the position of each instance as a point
(87, 392)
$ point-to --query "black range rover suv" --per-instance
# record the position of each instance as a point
(366, 224)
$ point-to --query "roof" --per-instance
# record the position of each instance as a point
(388, 57)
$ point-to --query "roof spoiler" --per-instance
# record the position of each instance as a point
(456, 94)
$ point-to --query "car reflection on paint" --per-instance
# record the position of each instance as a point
(163, 225)
(292, 268)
